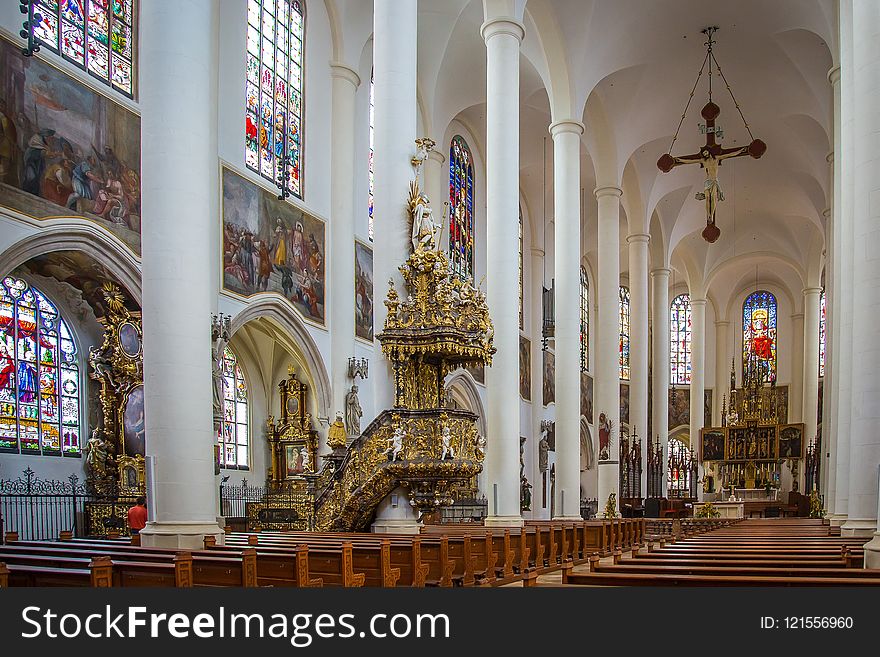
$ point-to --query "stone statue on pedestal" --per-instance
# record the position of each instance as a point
(353, 412)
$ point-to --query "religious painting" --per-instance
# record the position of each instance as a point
(272, 246)
(606, 428)
(549, 380)
(525, 368)
(791, 441)
(80, 271)
(129, 339)
(479, 373)
(624, 403)
(133, 422)
(707, 408)
(781, 404)
(712, 442)
(363, 291)
(295, 460)
(587, 396)
(66, 150)
(679, 407)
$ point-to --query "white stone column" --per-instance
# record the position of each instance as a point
(178, 98)
(638, 341)
(842, 330)
(535, 326)
(811, 362)
(660, 366)
(394, 132)
(607, 382)
(437, 188)
(796, 389)
(567, 326)
(722, 373)
(698, 375)
(341, 271)
(503, 38)
(865, 428)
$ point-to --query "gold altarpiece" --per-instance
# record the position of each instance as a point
(748, 450)
(115, 463)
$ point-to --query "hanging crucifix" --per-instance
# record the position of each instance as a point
(712, 153)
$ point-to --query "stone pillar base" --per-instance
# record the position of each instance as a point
(503, 521)
(180, 535)
(872, 552)
(835, 519)
(396, 526)
(859, 527)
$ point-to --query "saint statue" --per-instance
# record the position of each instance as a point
(543, 453)
(424, 230)
(446, 441)
(353, 412)
(219, 340)
(525, 494)
(481, 446)
(336, 435)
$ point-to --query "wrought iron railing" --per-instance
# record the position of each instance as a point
(40, 509)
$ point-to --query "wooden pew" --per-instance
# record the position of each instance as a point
(121, 573)
(237, 569)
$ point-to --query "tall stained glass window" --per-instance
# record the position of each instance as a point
(372, 115)
(461, 208)
(521, 281)
(96, 35)
(274, 91)
(624, 332)
(680, 340)
(822, 334)
(39, 375)
(759, 334)
(585, 320)
(234, 432)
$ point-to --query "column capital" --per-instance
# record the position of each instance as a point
(503, 25)
(834, 75)
(698, 302)
(797, 316)
(829, 158)
(608, 190)
(722, 322)
(661, 271)
(536, 251)
(812, 290)
(826, 213)
(436, 155)
(566, 125)
(635, 238)
(345, 72)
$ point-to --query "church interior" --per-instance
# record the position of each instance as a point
(292, 276)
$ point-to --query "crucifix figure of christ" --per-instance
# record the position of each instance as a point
(709, 158)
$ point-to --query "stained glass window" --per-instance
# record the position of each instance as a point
(759, 334)
(274, 91)
(521, 287)
(39, 375)
(822, 334)
(585, 320)
(624, 332)
(234, 431)
(96, 35)
(372, 115)
(461, 208)
(680, 340)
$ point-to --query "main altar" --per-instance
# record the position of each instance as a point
(745, 455)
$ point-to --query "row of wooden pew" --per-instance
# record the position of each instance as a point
(441, 555)
(773, 552)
